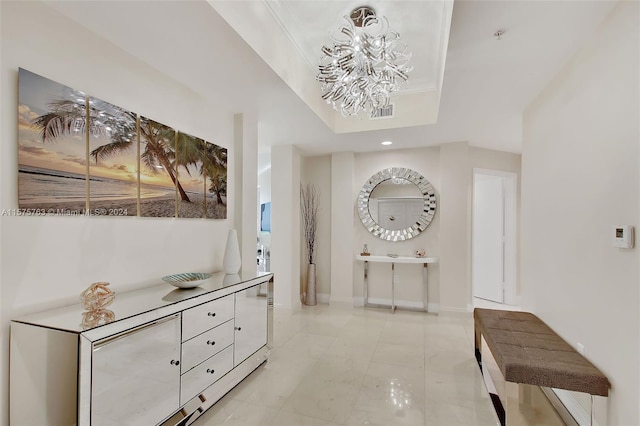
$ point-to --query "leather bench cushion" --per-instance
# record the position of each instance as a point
(528, 351)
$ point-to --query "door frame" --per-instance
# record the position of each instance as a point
(510, 196)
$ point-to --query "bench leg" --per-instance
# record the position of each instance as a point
(477, 345)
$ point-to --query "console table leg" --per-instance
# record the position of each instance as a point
(425, 288)
(365, 290)
(393, 287)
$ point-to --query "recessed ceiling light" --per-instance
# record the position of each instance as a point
(387, 143)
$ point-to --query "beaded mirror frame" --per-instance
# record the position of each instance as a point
(428, 210)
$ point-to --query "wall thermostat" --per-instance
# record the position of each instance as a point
(623, 236)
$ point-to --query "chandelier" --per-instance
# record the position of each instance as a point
(364, 63)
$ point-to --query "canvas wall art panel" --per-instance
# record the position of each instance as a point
(215, 166)
(189, 161)
(158, 178)
(52, 163)
(113, 160)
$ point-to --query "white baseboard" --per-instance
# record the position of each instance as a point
(453, 309)
(346, 302)
(433, 308)
(323, 298)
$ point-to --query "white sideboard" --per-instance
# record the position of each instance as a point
(165, 357)
(393, 260)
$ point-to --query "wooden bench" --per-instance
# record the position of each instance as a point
(525, 351)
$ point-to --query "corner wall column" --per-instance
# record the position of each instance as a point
(245, 174)
(285, 225)
(342, 222)
(455, 226)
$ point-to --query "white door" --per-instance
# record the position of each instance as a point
(488, 248)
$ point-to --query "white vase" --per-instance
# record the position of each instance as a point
(232, 261)
(231, 279)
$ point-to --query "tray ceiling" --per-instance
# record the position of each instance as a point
(291, 34)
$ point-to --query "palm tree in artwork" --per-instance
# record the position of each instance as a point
(65, 117)
(159, 149)
(68, 117)
(209, 159)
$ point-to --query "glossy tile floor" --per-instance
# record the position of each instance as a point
(340, 366)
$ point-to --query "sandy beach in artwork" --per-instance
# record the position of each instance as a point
(163, 206)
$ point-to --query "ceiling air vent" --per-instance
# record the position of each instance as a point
(384, 112)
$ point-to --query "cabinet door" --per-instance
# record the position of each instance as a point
(136, 375)
(250, 323)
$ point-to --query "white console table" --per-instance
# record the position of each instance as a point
(393, 260)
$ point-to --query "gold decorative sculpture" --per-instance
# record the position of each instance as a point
(97, 296)
(94, 299)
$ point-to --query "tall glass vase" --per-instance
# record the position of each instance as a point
(310, 300)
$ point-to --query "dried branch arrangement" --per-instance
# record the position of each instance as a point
(309, 210)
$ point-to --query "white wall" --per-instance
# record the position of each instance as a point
(455, 227)
(344, 177)
(49, 261)
(580, 177)
(264, 183)
(342, 209)
(426, 162)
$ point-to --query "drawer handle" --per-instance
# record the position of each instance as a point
(211, 370)
(209, 342)
(238, 328)
(211, 314)
(175, 362)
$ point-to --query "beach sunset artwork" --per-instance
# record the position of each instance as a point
(113, 160)
(80, 155)
(51, 144)
(158, 178)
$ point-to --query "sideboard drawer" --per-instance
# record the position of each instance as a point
(206, 344)
(206, 316)
(201, 377)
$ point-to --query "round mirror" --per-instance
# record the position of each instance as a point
(396, 204)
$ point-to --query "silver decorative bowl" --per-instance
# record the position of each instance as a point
(187, 280)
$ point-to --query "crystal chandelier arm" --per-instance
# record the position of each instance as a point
(364, 63)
